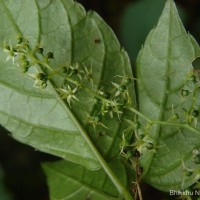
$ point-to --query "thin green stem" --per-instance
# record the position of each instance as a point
(44, 64)
(187, 126)
(183, 125)
(140, 114)
(97, 95)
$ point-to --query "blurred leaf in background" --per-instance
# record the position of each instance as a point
(4, 193)
(137, 20)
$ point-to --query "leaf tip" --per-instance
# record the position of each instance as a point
(170, 4)
(90, 13)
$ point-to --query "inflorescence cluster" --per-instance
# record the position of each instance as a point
(77, 76)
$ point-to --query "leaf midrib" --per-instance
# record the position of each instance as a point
(161, 113)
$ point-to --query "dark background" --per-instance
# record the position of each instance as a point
(20, 169)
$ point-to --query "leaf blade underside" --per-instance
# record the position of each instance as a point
(70, 181)
(163, 70)
(33, 115)
(40, 118)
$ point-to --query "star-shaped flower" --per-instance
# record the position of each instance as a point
(69, 94)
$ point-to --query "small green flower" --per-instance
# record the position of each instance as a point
(19, 39)
(149, 145)
(140, 134)
(133, 125)
(88, 75)
(64, 69)
(195, 152)
(24, 66)
(195, 113)
(175, 116)
(75, 70)
(193, 79)
(95, 120)
(40, 50)
(40, 80)
(6, 48)
(41, 76)
(40, 84)
(121, 89)
(124, 143)
(125, 80)
(69, 94)
(23, 47)
(10, 51)
(100, 92)
(111, 107)
(49, 55)
(184, 93)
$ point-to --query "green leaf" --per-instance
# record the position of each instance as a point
(134, 27)
(71, 181)
(42, 119)
(164, 69)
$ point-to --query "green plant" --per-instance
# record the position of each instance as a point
(67, 89)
